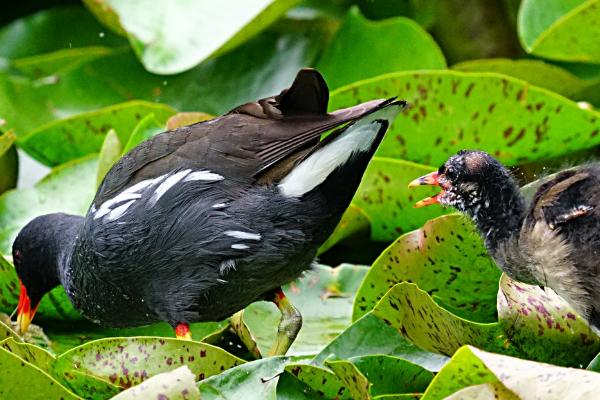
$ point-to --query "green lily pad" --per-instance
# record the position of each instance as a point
(452, 110)
(9, 162)
(563, 30)
(129, 361)
(170, 37)
(46, 65)
(83, 134)
(484, 391)
(370, 335)
(254, 380)
(22, 37)
(544, 326)
(324, 298)
(414, 314)
(447, 259)
(178, 384)
(358, 385)
(536, 72)
(21, 380)
(110, 152)
(69, 188)
(6, 332)
(321, 380)
(215, 87)
(594, 365)
(384, 196)
(356, 51)
(392, 375)
(525, 379)
(353, 222)
(34, 355)
(290, 388)
(144, 130)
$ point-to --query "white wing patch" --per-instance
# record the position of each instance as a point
(203, 176)
(131, 193)
(318, 166)
(117, 206)
(243, 235)
(168, 184)
(239, 246)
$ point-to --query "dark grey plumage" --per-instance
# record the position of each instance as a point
(554, 241)
(197, 223)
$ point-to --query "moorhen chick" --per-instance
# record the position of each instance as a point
(553, 242)
(197, 223)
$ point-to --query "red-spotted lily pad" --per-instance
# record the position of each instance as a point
(514, 378)
(126, 362)
(176, 384)
(451, 110)
(447, 259)
(64, 140)
(543, 325)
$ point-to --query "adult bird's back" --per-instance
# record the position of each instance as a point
(197, 223)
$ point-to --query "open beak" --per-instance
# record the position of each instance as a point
(431, 179)
(24, 311)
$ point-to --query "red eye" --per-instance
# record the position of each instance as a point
(17, 256)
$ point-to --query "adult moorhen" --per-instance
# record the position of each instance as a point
(553, 242)
(195, 224)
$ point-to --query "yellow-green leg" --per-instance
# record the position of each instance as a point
(289, 326)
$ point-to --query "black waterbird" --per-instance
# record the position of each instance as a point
(197, 223)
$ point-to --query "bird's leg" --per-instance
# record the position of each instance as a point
(289, 326)
(182, 331)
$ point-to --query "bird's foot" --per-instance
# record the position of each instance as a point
(182, 331)
(289, 326)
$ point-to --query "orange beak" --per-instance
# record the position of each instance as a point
(431, 179)
(24, 312)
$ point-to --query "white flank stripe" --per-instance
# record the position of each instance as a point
(119, 211)
(130, 193)
(168, 184)
(219, 205)
(238, 246)
(315, 169)
(243, 235)
(203, 176)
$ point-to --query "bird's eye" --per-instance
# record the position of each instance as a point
(17, 256)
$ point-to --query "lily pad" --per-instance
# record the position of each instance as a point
(254, 380)
(544, 326)
(358, 385)
(536, 72)
(60, 61)
(324, 298)
(370, 335)
(525, 379)
(129, 361)
(447, 259)
(26, 381)
(34, 355)
(69, 188)
(413, 313)
(353, 222)
(321, 380)
(451, 110)
(563, 30)
(21, 38)
(385, 198)
(178, 384)
(170, 37)
(356, 53)
(9, 162)
(110, 152)
(144, 130)
(75, 137)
